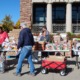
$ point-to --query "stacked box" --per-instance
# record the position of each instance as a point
(57, 38)
(56, 58)
(69, 54)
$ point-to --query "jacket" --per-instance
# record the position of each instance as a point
(25, 38)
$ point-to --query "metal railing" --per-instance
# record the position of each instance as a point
(76, 28)
(59, 28)
(36, 28)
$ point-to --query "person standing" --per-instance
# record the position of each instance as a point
(25, 42)
(3, 38)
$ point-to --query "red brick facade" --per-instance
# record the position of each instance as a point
(25, 11)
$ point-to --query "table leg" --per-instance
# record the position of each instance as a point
(77, 59)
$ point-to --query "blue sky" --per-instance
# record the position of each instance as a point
(10, 7)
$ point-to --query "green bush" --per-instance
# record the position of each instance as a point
(8, 24)
(72, 35)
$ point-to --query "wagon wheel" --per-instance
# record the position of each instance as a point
(44, 71)
(62, 73)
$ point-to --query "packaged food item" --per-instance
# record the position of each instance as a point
(65, 46)
(50, 46)
(57, 38)
(6, 46)
(59, 47)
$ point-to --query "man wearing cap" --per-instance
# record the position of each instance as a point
(25, 42)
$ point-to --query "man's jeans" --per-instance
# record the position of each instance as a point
(26, 51)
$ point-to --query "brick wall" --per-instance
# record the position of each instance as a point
(25, 11)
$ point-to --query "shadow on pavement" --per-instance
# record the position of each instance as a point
(68, 70)
(69, 62)
(37, 71)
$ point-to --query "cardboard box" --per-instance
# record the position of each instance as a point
(56, 58)
(69, 54)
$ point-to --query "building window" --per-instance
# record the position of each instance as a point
(76, 13)
(76, 17)
(39, 13)
(58, 13)
(58, 17)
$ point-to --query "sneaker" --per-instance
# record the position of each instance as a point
(32, 74)
(17, 74)
(35, 60)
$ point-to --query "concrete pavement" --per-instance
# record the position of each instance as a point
(72, 72)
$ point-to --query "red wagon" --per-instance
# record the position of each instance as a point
(54, 62)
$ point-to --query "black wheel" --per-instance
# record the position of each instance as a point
(44, 71)
(62, 73)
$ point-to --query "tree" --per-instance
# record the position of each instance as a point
(8, 24)
(17, 26)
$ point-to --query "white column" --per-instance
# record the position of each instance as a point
(49, 18)
(69, 17)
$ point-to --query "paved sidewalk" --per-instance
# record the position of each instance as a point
(72, 73)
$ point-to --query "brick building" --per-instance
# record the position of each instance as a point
(57, 15)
